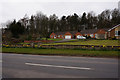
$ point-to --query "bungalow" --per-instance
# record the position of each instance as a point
(53, 35)
(60, 35)
(78, 35)
(102, 33)
(74, 34)
(95, 33)
(90, 32)
(66, 35)
(114, 32)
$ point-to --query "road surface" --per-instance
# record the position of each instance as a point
(40, 66)
(0, 66)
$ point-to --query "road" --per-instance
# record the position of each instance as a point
(40, 66)
(0, 65)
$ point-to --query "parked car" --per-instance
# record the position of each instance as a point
(81, 37)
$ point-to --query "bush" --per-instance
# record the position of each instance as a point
(29, 37)
(114, 38)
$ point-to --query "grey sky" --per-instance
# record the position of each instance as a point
(16, 9)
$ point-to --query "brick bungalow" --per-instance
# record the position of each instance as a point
(89, 32)
(114, 32)
(52, 35)
(66, 35)
(95, 33)
(102, 33)
(60, 35)
(77, 35)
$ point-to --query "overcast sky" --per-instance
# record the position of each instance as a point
(16, 9)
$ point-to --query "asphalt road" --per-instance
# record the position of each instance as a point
(0, 65)
(39, 66)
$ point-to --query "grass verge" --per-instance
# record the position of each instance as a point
(89, 42)
(52, 39)
(68, 52)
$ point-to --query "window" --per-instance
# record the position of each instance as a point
(54, 37)
(91, 35)
(51, 35)
(95, 35)
(117, 33)
(78, 36)
(58, 35)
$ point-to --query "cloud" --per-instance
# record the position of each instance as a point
(59, 1)
(16, 9)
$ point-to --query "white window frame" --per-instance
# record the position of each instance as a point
(95, 35)
(116, 33)
(58, 35)
(78, 36)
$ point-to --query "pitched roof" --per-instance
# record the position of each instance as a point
(73, 32)
(89, 31)
(106, 29)
(114, 27)
(62, 33)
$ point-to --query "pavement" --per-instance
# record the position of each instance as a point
(41, 66)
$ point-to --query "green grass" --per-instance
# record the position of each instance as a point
(43, 39)
(95, 53)
(90, 42)
(0, 49)
(23, 43)
(52, 39)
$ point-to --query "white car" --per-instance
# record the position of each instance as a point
(81, 37)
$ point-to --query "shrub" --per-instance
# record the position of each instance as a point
(29, 37)
(114, 38)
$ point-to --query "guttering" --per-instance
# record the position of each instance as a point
(114, 27)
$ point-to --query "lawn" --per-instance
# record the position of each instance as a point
(52, 39)
(23, 43)
(90, 42)
(0, 49)
(70, 52)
